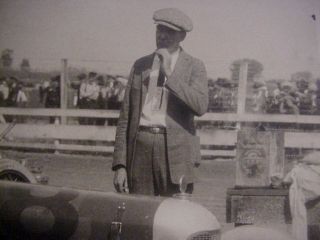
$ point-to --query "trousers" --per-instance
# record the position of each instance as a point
(150, 167)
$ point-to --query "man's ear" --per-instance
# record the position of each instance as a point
(182, 36)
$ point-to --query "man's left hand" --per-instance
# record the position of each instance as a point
(165, 59)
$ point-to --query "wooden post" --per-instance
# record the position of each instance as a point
(64, 88)
(56, 141)
(242, 90)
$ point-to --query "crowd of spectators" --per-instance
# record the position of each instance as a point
(285, 97)
(99, 92)
(300, 97)
(95, 91)
(12, 94)
(222, 95)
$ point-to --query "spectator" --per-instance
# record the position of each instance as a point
(52, 95)
(4, 92)
(304, 97)
(288, 103)
(80, 103)
(21, 101)
(317, 96)
(102, 99)
(313, 98)
(304, 181)
(11, 100)
(82, 78)
(273, 100)
(215, 100)
(89, 93)
(224, 94)
(260, 95)
(114, 99)
(42, 88)
(120, 92)
(13, 92)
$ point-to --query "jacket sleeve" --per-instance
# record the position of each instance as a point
(193, 91)
(120, 147)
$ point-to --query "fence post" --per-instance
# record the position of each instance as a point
(242, 91)
(56, 141)
(64, 88)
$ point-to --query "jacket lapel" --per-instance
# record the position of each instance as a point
(180, 68)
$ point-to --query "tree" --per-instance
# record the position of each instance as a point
(6, 58)
(255, 69)
(25, 65)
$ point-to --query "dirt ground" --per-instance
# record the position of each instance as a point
(94, 173)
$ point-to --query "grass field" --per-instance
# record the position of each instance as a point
(94, 173)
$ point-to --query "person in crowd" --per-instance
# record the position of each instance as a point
(317, 96)
(304, 182)
(224, 94)
(113, 103)
(215, 99)
(11, 100)
(259, 98)
(156, 144)
(121, 85)
(81, 103)
(52, 95)
(88, 96)
(81, 78)
(21, 101)
(274, 99)
(4, 92)
(21, 96)
(102, 98)
(288, 102)
(313, 98)
(42, 88)
(13, 92)
(304, 97)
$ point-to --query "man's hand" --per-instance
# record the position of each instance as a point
(120, 180)
(165, 59)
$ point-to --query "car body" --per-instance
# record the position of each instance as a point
(34, 211)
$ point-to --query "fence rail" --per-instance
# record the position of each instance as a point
(227, 117)
(214, 142)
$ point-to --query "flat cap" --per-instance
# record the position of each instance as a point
(173, 18)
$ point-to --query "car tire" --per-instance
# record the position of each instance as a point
(11, 170)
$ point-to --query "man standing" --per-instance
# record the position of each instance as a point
(88, 96)
(156, 142)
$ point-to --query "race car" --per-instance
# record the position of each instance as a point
(34, 211)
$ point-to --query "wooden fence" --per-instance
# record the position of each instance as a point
(62, 136)
(65, 136)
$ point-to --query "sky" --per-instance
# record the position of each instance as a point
(109, 35)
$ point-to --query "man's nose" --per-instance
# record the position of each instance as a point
(162, 35)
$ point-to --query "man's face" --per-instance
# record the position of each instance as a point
(168, 38)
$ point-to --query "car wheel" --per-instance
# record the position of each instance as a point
(11, 170)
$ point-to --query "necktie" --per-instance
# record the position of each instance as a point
(152, 88)
(161, 79)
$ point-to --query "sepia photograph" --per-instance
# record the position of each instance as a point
(160, 120)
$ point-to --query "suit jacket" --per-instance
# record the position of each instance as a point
(188, 97)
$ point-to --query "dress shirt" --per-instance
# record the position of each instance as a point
(89, 90)
(154, 112)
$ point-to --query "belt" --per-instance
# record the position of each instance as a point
(153, 129)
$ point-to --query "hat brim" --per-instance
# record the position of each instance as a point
(169, 25)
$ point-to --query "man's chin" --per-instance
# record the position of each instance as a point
(162, 46)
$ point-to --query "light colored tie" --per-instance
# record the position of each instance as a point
(152, 98)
